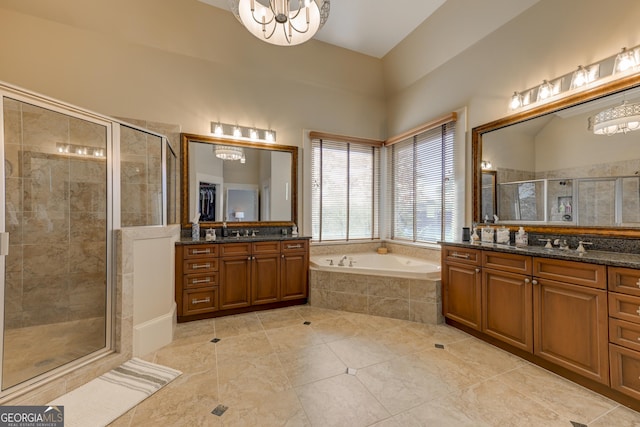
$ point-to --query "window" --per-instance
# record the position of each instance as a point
(423, 194)
(345, 188)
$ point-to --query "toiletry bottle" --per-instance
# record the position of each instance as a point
(224, 229)
(522, 239)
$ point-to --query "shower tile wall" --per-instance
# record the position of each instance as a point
(141, 173)
(596, 205)
(56, 219)
(141, 178)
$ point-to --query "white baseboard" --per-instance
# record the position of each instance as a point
(154, 334)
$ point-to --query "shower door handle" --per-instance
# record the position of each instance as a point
(4, 243)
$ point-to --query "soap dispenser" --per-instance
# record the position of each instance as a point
(522, 239)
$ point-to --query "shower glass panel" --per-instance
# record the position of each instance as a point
(596, 202)
(55, 277)
(141, 177)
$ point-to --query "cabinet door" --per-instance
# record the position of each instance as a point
(235, 282)
(625, 370)
(265, 279)
(461, 296)
(294, 282)
(571, 327)
(507, 302)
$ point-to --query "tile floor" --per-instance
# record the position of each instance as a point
(271, 369)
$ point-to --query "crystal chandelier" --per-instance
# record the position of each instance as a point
(622, 118)
(228, 152)
(282, 22)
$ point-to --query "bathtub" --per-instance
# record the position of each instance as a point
(374, 264)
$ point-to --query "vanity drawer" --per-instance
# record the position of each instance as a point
(200, 280)
(625, 370)
(200, 251)
(625, 307)
(195, 301)
(507, 262)
(624, 280)
(234, 249)
(295, 246)
(579, 273)
(624, 333)
(266, 247)
(200, 265)
(462, 255)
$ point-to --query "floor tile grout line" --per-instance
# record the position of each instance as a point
(617, 406)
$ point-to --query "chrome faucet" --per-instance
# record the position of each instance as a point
(341, 262)
(561, 244)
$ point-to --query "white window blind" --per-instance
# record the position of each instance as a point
(345, 190)
(421, 186)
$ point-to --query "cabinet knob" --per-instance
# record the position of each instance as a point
(527, 280)
(534, 281)
(638, 283)
(638, 311)
(477, 270)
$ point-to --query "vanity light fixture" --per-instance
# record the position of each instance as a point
(242, 133)
(486, 165)
(79, 150)
(626, 60)
(282, 22)
(516, 101)
(624, 63)
(622, 118)
(583, 76)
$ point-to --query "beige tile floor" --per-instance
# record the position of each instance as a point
(270, 369)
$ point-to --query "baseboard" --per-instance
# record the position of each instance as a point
(154, 334)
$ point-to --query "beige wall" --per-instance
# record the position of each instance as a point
(184, 62)
(549, 39)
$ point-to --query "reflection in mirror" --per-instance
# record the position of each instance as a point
(522, 201)
(248, 183)
(590, 179)
(488, 194)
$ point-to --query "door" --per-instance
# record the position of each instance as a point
(462, 286)
(507, 301)
(56, 212)
(235, 281)
(294, 275)
(265, 278)
(571, 327)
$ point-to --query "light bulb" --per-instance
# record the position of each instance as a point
(516, 101)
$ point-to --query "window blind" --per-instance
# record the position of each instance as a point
(345, 190)
(421, 185)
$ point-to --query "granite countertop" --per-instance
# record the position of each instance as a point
(241, 239)
(616, 259)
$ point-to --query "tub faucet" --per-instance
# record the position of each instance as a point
(341, 263)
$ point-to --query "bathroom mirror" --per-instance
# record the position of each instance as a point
(243, 183)
(589, 180)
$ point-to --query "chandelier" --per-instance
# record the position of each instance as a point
(282, 22)
(228, 152)
(619, 119)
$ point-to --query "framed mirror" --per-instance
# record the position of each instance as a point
(242, 183)
(553, 174)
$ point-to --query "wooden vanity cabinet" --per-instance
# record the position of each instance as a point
(235, 275)
(461, 286)
(570, 316)
(197, 279)
(624, 330)
(507, 298)
(294, 261)
(265, 272)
